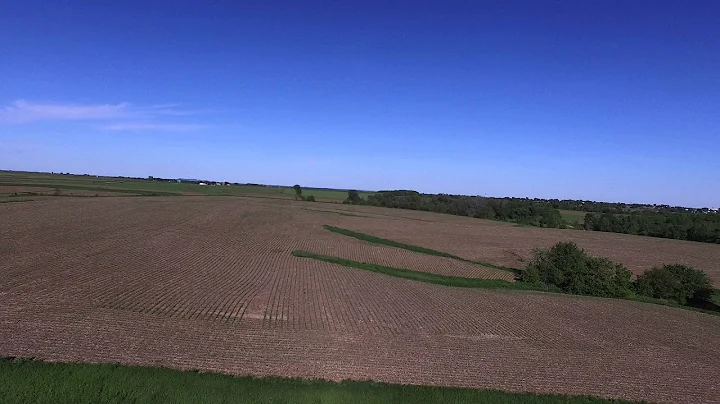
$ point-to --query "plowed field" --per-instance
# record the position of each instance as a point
(506, 244)
(209, 283)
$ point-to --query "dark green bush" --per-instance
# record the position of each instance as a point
(572, 270)
(675, 282)
(309, 198)
(354, 198)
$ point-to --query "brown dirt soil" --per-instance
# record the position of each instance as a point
(209, 284)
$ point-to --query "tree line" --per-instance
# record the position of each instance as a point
(704, 227)
(518, 210)
(618, 207)
(663, 221)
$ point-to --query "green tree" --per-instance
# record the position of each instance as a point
(569, 268)
(298, 192)
(354, 197)
(675, 282)
(591, 221)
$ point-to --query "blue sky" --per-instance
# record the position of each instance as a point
(602, 100)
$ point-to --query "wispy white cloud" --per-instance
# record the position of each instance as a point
(22, 111)
(168, 110)
(112, 117)
(167, 127)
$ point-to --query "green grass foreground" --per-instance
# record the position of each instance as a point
(422, 276)
(28, 381)
(383, 241)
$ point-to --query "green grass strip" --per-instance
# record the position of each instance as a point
(383, 241)
(91, 188)
(422, 276)
(483, 283)
(16, 201)
(29, 381)
(335, 212)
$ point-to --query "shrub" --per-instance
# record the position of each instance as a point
(675, 282)
(310, 198)
(572, 270)
(354, 197)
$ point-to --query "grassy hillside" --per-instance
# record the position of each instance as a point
(158, 188)
(23, 381)
(572, 215)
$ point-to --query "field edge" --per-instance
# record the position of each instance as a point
(46, 382)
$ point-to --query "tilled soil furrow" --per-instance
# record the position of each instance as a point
(210, 284)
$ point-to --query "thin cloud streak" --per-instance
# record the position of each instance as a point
(166, 127)
(21, 111)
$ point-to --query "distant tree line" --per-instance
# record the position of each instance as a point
(618, 207)
(704, 227)
(694, 224)
(522, 211)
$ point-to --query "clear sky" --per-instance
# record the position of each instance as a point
(603, 100)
